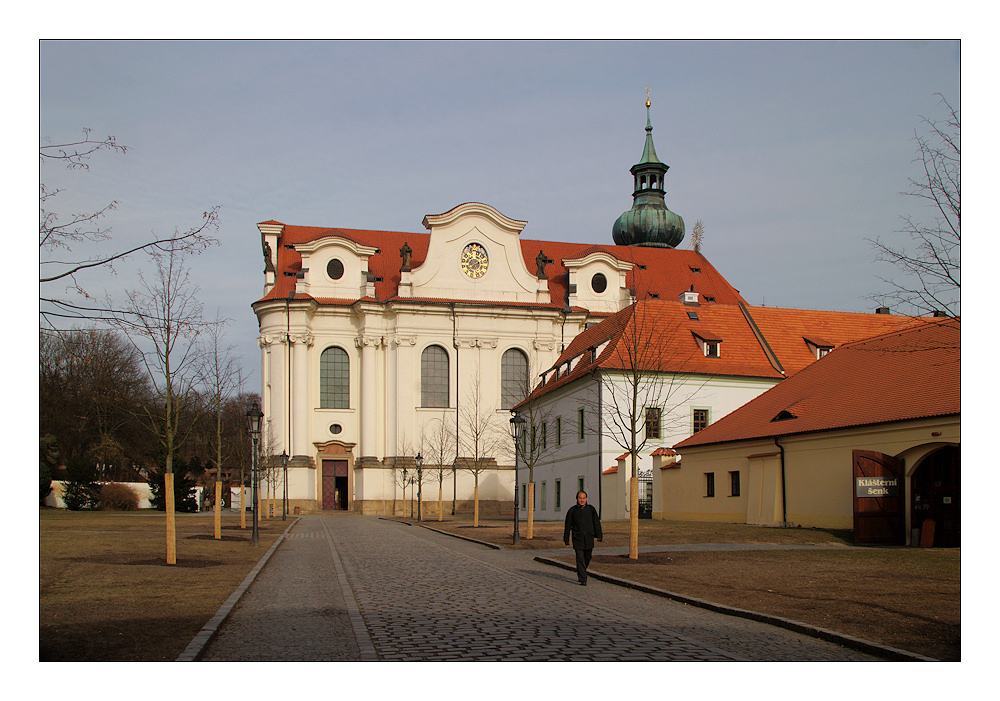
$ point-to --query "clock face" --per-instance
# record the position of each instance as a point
(474, 260)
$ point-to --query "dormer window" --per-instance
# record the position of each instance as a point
(818, 346)
(710, 343)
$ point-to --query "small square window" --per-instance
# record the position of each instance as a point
(711, 349)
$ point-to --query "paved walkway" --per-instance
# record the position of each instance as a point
(355, 588)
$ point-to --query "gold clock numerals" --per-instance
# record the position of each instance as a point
(474, 260)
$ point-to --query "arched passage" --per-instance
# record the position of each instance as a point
(935, 493)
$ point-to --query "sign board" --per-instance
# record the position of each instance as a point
(876, 486)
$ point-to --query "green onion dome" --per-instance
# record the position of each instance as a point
(649, 222)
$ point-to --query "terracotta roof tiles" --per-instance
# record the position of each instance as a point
(911, 373)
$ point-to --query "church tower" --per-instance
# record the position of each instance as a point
(649, 222)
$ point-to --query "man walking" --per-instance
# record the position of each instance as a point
(583, 523)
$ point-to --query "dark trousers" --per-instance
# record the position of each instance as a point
(582, 563)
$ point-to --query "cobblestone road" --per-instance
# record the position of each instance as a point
(347, 587)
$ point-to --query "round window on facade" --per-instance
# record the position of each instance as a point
(599, 283)
(335, 269)
(336, 428)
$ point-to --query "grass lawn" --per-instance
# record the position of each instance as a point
(106, 592)
(909, 598)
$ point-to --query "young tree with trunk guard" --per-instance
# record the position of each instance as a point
(480, 438)
(163, 321)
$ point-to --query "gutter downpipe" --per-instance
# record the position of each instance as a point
(600, 445)
(454, 466)
(784, 514)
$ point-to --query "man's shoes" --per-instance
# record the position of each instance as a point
(582, 584)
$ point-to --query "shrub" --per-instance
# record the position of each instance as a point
(184, 494)
(81, 485)
(116, 496)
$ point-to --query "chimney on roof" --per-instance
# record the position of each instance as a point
(940, 313)
(689, 296)
(883, 310)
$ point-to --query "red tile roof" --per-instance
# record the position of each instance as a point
(660, 272)
(901, 375)
(787, 330)
(667, 340)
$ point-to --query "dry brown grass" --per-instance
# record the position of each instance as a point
(908, 598)
(106, 592)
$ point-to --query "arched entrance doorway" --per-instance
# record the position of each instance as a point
(935, 493)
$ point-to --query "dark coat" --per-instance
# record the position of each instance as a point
(584, 524)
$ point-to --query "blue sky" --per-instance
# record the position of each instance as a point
(792, 153)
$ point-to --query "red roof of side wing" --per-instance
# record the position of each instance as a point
(909, 374)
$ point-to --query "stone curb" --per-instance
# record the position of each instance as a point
(867, 646)
(198, 643)
(462, 537)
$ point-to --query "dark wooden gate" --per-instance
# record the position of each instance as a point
(334, 485)
(879, 516)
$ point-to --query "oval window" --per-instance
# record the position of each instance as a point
(336, 428)
(599, 283)
(335, 269)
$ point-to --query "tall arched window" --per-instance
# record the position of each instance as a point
(334, 379)
(434, 377)
(513, 378)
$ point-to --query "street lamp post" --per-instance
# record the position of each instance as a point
(284, 484)
(516, 427)
(254, 417)
(420, 479)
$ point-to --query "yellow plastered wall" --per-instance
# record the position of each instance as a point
(818, 475)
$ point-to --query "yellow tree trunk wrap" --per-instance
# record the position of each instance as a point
(218, 510)
(633, 518)
(168, 496)
(530, 530)
(243, 507)
(440, 503)
(475, 507)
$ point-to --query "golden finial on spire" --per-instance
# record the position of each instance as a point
(647, 96)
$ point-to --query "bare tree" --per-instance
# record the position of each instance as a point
(69, 247)
(223, 381)
(638, 387)
(439, 439)
(535, 443)
(480, 438)
(163, 321)
(931, 268)
(91, 389)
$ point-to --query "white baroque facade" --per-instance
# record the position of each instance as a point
(373, 341)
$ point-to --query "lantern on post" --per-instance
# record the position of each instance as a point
(517, 423)
(254, 417)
